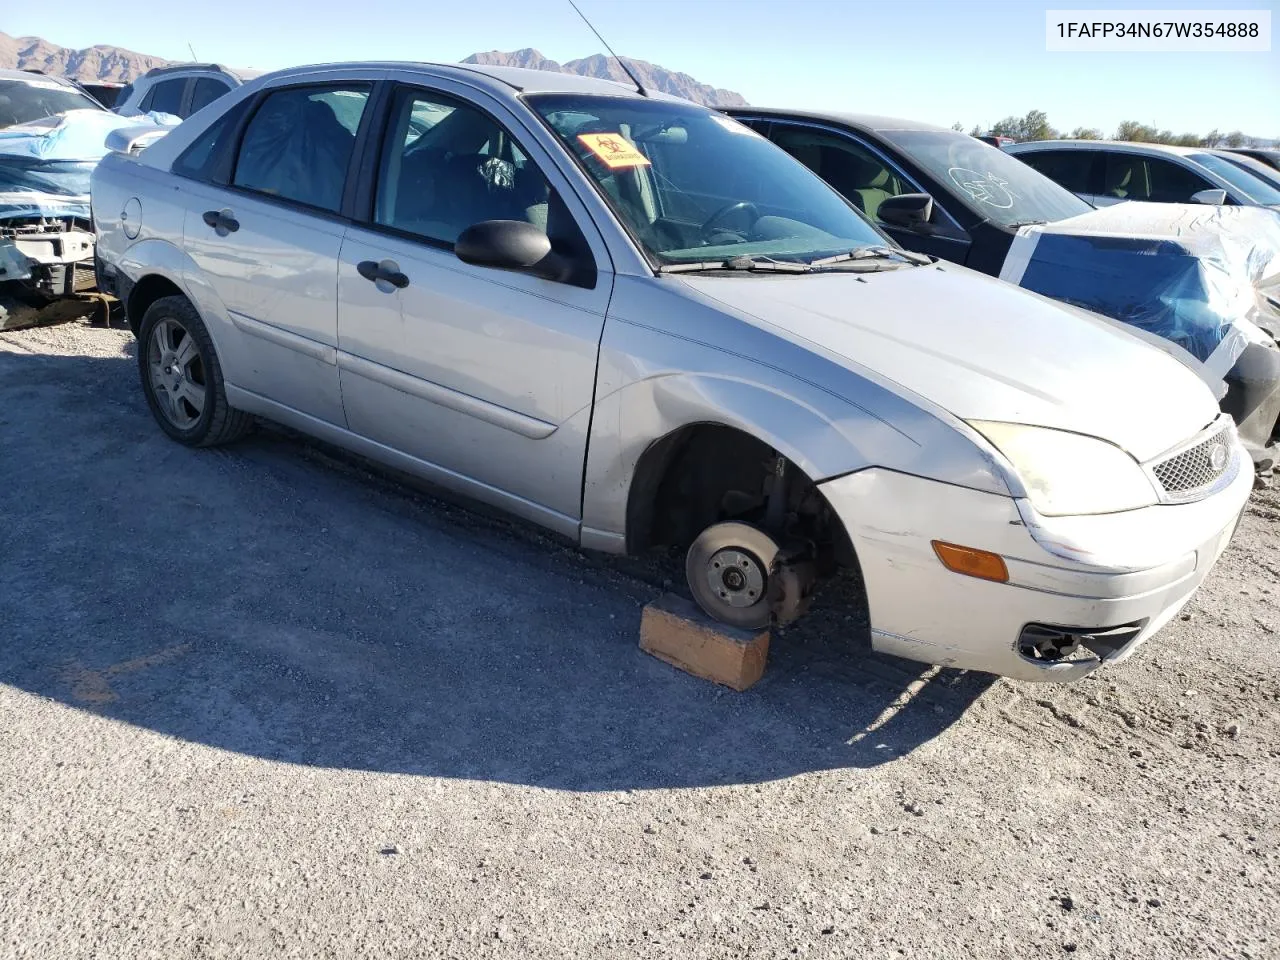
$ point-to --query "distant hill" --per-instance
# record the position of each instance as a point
(93, 63)
(598, 65)
(103, 62)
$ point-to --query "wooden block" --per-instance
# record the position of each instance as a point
(676, 630)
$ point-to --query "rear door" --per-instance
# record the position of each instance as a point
(484, 377)
(266, 241)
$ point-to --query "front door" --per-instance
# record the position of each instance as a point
(268, 243)
(865, 178)
(484, 377)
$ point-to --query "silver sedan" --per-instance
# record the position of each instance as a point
(640, 324)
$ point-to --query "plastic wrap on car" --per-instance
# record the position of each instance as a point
(45, 166)
(1190, 274)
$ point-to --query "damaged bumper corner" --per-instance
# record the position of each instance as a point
(45, 270)
(1081, 592)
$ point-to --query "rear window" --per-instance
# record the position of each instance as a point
(165, 96)
(206, 91)
(1072, 169)
(298, 145)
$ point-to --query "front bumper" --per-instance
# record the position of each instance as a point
(1092, 573)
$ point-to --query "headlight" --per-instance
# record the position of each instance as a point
(1068, 473)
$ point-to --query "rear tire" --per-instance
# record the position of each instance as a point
(182, 378)
(730, 572)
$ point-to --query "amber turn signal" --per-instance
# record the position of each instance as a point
(971, 562)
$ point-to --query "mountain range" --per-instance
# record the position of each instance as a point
(99, 62)
(651, 75)
(103, 62)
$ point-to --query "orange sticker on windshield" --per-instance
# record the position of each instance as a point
(614, 149)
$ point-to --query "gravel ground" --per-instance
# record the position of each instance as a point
(257, 701)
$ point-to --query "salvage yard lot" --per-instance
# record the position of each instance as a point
(258, 701)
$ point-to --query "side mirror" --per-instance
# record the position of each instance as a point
(134, 139)
(1214, 198)
(511, 245)
(909, 210)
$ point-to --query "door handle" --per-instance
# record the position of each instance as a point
(222, 221)
(387, 271)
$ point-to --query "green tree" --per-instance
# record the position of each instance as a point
(1211, 139)
(958, 127)
(1186, 140)
(976, 131)
(1034, 126)
(1086, 133)
(1235, 139)
(1135, 131)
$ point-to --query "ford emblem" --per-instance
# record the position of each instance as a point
(1218, 457)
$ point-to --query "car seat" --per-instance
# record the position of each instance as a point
(1126, 178)
(865, 181)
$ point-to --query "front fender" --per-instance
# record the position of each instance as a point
(824, 440)
(653, 381)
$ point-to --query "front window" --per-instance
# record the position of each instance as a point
(22, 101)
(1251, 186)
(990, 182)
(693, 186)
(446, 166)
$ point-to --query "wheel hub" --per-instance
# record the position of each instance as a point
(735, 577)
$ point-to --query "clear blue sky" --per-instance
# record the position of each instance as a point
(972, 61)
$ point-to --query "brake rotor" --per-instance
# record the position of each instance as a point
(729, 568)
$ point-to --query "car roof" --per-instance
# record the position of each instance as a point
(1128, 146)
(177, 69)
(30, 77)
(869, 122)
(505, 82)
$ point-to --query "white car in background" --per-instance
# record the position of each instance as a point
(181, 89)
(1105, 172)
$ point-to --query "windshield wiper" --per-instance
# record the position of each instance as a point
(1025, 223)
(874, 252)
(744, 263)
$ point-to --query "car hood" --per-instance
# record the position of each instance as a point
(982, 349)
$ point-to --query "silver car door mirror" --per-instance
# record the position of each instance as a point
(1212, 197)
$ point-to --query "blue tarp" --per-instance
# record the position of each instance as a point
(1188, 273)
(45, 165)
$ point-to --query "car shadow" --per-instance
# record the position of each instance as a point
(277, 601)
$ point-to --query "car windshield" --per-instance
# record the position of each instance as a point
(990, 182)
(1244, 181)
(692, 185)
(22, 101)
(1255, 168)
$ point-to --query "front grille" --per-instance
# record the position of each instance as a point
(1186, 473)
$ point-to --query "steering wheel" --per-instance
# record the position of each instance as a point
(741, 206)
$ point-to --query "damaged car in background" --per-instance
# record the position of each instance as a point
(1204, 278)
(52, 135)
(635, 321)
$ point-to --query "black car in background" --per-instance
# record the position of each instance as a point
(950, 195)
(105, 92)
(981, 196)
